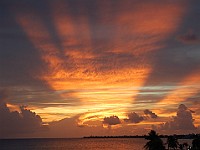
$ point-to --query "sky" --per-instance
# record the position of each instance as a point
(74, 68)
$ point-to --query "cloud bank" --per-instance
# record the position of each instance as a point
(112, 120)
(150, 113)
(182, 121)
(14, 124)
(134, 118)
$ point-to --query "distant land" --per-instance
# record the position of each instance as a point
(179, 136)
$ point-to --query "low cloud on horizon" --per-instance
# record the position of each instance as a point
(28, 124)
(182, 122)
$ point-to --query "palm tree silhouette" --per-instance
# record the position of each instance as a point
(196, 143)
(172, 142)
(155, 142)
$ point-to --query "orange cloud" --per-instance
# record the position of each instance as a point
(94, 59)
(147, 25)
(84, 71)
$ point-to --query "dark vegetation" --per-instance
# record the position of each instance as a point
(155, 141)
(183, 136)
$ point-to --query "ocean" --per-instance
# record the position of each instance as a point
(73, 144)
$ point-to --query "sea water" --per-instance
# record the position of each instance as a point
(75, 144)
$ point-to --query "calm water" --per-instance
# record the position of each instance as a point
(74, 144)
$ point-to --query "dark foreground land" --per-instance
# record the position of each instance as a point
(155, 141)
(181, 136)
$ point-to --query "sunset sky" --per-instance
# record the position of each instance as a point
(73, 68)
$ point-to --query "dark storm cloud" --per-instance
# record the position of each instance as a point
(14, 124)
(134, 118)
(112, 120)
(182, 121)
